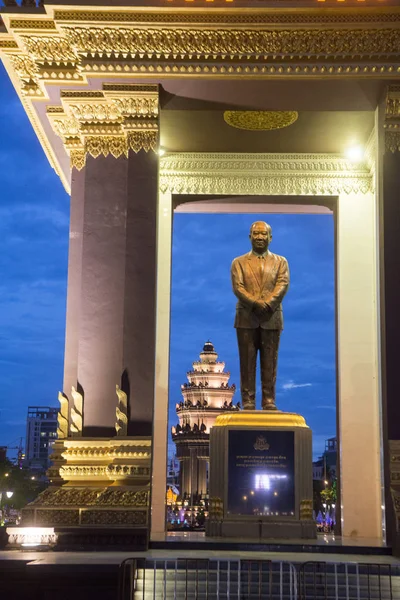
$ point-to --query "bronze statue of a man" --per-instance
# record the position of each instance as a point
(260, 280)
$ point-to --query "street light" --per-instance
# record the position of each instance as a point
(9, 495)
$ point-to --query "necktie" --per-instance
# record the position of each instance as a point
(261, 267)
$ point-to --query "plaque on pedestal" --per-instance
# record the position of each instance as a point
(261, 476)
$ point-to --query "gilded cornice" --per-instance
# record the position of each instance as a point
(69, 46)
(229, 43)
(274, 174)
(232, 16)
(73, 44)
(112, 121)
(81, 459)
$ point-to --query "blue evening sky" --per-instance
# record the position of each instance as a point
(34, 218)
(203, 307)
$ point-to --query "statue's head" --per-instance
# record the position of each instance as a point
(260, 236)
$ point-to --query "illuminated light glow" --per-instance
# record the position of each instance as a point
(9, 494)
(262, 481)
(161, 152)
(354, 153)
(31, 536)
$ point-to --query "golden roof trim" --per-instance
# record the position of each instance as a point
(246, 15)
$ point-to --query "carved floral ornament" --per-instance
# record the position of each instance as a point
(392, 119)
(75, 44)
(260, 120)
(260, 174)
(112, 121)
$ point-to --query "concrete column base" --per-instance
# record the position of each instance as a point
(103, 499)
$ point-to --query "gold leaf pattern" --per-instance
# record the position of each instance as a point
(260, 120)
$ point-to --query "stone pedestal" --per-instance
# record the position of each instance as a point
(261, 476)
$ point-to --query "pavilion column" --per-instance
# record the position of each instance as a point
(74, 279)
(110, 336)
(358, 363)
(105, 423)
(390, 252)
(160, 427)
(117, 308)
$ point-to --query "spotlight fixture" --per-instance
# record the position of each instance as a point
(354, 153)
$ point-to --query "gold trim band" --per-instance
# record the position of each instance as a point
(260, 418)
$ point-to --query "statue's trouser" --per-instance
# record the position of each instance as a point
(250, 342)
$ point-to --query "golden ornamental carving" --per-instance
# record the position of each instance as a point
(306, 510)
(32, 24)
(114, 517)
(95, 111)
(275, 174)
(141, 108)
(143, 140)
(105, 145)
(7, 43)
(28, 74)
(76, 426)
(112, 121)
(232, 43)
(81, 497)
(49, 49)
(63, 416)
(392, 141)
(102, 472)
(78, 159)
(260, 120)
(222, 17)
(121, 425)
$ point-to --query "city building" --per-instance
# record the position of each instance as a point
(206, 395)
(173, 472)
(325, 467)
(41, 433)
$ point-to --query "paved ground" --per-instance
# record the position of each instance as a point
(112, 558)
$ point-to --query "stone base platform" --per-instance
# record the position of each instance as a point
(98, 497)
(261, 477)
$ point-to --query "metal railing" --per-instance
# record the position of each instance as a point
(348, 581)
(236, 579)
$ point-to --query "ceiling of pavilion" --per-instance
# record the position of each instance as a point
(332, 115)
(206, 131)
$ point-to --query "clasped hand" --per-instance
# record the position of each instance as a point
(262, 309)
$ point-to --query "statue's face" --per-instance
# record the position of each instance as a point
(260, 237)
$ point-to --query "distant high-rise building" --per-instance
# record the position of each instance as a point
(326, 465)
(3, 453)
(41, 433)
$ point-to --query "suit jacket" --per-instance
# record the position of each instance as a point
(248, 286)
